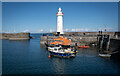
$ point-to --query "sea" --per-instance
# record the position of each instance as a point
(31, 57)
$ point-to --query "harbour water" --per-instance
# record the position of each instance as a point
(30, 57)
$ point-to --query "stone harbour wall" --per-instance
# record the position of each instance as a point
(85, 33)
(115, 45)
(15, 36)
(75, 39)
(79, 37)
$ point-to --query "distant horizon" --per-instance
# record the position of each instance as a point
(54, 32)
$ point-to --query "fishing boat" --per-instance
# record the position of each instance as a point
(62, 41)
(60, 52)
(105, 55)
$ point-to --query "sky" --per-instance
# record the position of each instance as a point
(40, 17)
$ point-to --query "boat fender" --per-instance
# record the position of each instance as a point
(49, 56)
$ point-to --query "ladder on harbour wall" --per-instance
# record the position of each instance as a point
(103, 42)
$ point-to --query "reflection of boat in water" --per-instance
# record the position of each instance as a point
(60, 52)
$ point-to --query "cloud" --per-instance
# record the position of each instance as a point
(66, 30)
(108, 29)
(9, 31)
(14, 31)
(41, 30)
(26, 30)
(46, 30)
(78, 30)
(72, 29)
(51, 30)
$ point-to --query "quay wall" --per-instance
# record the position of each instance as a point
(85, 33)
(76, 39)
(115, 47)
(15, 36)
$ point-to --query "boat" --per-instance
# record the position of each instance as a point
(61, 41)
(50, 48)
(60, 52)
(51, 45)
(105, 55)
(83, 46)
(62, 47)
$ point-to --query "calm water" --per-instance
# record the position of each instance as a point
(30, 57)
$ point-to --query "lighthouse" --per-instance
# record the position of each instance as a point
(60, 22)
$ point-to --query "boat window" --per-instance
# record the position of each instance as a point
(59, 49)
(55, 49)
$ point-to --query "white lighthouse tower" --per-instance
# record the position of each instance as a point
(60, 22)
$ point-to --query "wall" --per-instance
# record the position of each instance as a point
(85, 33)
(76, 39)
(15, 36)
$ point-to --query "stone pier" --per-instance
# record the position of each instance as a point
(77, 37)
(15, 36)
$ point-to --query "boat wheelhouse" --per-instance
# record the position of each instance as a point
(60, 52)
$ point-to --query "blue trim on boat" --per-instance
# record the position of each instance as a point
(59, 54)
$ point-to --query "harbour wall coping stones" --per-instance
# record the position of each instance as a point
(85, 33)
